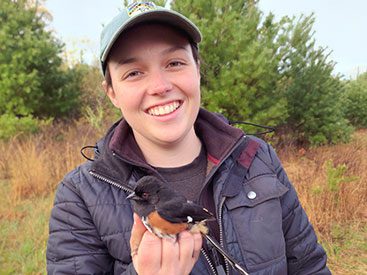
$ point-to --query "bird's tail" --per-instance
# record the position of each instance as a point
(199, 227)
(225, 254)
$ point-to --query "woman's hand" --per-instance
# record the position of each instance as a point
(153, 255)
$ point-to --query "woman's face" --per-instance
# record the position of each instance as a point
(155, 84)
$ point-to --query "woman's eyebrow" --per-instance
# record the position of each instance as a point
(130, 60)
(124, 61)
(173, 49)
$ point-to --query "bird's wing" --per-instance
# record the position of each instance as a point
(188, 212)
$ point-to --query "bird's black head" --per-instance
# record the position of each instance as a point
(146, 190)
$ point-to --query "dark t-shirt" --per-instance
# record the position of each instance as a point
(188, 179)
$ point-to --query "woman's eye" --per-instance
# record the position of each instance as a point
(175, 64)
(132, 74)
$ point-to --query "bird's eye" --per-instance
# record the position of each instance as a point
(145, 195)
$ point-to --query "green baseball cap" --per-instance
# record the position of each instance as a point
(139, 12)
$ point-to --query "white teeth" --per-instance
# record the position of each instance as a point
(164, 110)
(160, 110)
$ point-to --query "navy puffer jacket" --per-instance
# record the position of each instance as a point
(261, 222)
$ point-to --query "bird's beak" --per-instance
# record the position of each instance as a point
(131, 196)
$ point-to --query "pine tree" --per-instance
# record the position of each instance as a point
(32, 82)
(313, 94)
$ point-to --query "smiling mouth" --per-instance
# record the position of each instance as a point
(164, 109)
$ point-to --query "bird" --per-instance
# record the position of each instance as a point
(166, 213)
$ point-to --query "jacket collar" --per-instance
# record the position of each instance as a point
(118, 151)
(218, 138)
(216, 134)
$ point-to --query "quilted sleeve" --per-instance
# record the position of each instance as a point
(74, 245)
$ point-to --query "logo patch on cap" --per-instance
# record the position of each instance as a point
(140, 7)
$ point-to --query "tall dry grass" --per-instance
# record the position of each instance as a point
(331, 181)
(34, 165)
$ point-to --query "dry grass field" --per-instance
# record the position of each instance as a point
(332, 185)
(331, 182)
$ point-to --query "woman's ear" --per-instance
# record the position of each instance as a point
(110, 92)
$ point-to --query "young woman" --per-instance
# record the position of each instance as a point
(149, 57)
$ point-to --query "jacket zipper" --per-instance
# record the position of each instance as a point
(221, 237)
(212, 268)
(212, 172)
(98, 176)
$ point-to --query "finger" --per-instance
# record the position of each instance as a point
(137, 233)
(190, 245)
(170, 256)
(186, 243)
(198, 243)
(150, 254)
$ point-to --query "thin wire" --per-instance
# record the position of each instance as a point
(270, 129)
(84, 148)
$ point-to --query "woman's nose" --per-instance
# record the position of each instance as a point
(159, 83)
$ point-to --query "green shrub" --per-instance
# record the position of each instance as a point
(11, 125)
